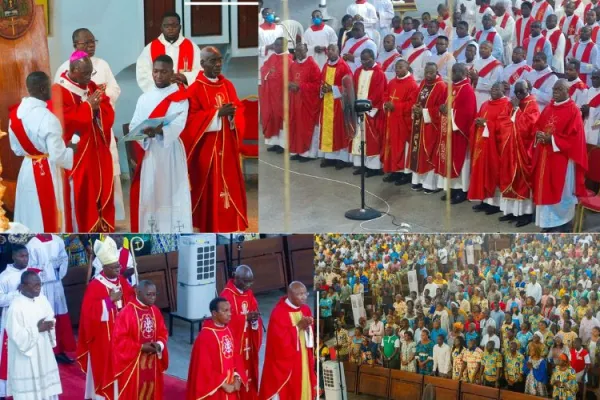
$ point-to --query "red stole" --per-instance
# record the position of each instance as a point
(432, 43)
(504, 20)
(539, 44)
(489, 37)
(4, 364)
(186, 54)
(572, 25)
(574, 87)
(587, 8)
(553, 38)
(539, 16)
(489, 68)
(406, 44)
(413, 56)
(386, 64)
(361, 1)
(595, 102)
(540, 81)
(527, 31)
(41, 174)
(585, 57)
(517, 74)
(357, 45)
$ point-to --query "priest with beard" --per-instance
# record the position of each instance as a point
(305, 82)
(288, 371)
(370, 84)
(333, 138)
(271, 106)
(87, 116)
(400, 97)
(463, 99)
(560, 161)
(215, 121)
(246, 326)
(388, 57)
(425, 132)
(515, 141)
(140, 354)
(483, 185)
(216, 367)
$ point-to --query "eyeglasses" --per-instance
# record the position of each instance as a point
(88, 43)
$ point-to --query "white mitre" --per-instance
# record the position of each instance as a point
(106, 251)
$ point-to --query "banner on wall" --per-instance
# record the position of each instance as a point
(358, 307)
(470, 250)
(413, 283)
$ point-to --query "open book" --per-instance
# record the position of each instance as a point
(138, 132)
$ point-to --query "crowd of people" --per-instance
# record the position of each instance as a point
(519, 312)
(524, 80)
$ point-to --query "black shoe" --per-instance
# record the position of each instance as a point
(358, 171)
(404, 180)
(393, 177)
(492, 210)
(304, 159)
(279, 150)
(295, 157)
(272, 148)
(506, 218)
(327, 163)
(460, 197)
(62, 358)
(524, 220)
(480, 207)
(339, 164)
(429, 191)
(417, 188)
(444, 197)
(373, 172)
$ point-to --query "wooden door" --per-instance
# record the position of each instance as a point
(206, 20)
(153, 12)
(247, 27)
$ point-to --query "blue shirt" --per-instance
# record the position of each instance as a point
(471, 336)
(326, 302)
(437, 332)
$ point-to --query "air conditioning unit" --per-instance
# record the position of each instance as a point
(196, 275)
(332, 371)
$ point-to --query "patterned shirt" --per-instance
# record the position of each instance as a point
(568, 379)
(491, 362)
(473, 359)
(513, 367)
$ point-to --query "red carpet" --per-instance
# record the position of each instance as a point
(73, 384)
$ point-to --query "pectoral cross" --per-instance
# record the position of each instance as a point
(247, 350)
(225, 195)
(179, 226)
(12, 24)
(152, 223)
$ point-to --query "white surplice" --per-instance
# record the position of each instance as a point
(10, 279)
(322, 38)
(103, 75)
(444, 62)
(362, 92)
(165, 198)
(484, 83)
(592, 122)
(403, 39)
(536, 6)
(32, 369)
(586, 66)
(558, 56)
(580, 95)
(418, 64)
(390, 71)
(470, 8)
(456, 44)
(267, 37)
(543, 94)
(368, 12)
(45, 132)
(368, 44)
(143, 67)
(506, 34)
(52, 258)
(513, 69)
(385, 9)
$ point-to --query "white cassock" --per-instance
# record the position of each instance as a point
(362, 92)
(578, 95)
(541, 90)
(143, 69)
(429, 41)
(103, 75)
(520, 30)
(10, 279)
(403, 39)
(570, 26)
(483, 89)
(368, 44)
(479, 17)
(536, 7)
(505, 27)
(45, 132)
(97, 267)
(323, 37)
(592, 122)
(418, 63)
(52, 258)
(458, 46)
(512, 73)
(369, 16)
(444, 63)
(383, 57)
(587, 65)
(385, 8)
(507, 5)
(165, 199)
(497, 45)
(557, 63)
(32, 369)
(532, 44)
(267, 34)
(471, 9)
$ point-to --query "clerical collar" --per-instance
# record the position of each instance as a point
(403, 77)
(240, 291)
(521, 63)
(213, 80)
(218, 325)
(301, 61)
(556, 103)
(289, 303)
(333, 62)
(140, 302)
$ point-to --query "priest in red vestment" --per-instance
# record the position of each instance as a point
(271, 104)
(462, 114)
(400, 97)
(104, 298)
(87, 118)
(515, 145)
(425, 136)
(140, 355)
(334, 137)
(289, 368)
(305, 82)
(216, 367)
(211, 139)
(246, 326)
(559, 161)
(370, 83)
(484, 182)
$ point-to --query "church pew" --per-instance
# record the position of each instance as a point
(267, 259)
(445, 389)
(374, 381)
(468, 391)
(301, 256)
(405, 385)
(351, 375)
(508, 395)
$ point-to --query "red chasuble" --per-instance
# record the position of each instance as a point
(465, 105)
(289, 368)
(247, 341)
(134, 195)
(218, 189)
(140, 375)
(95, 336)
(402, 93)
(271, 104)
(374, 125)
(92, 172)
(215, 360)
(425, 137)
(484, 152)
(333, 131)
(304, 104)
(550, 167)
(515, 144)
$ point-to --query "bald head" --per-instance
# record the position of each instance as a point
(459, 72)
(211, 61)
(243, 277)
(560, 91)
(297, 293)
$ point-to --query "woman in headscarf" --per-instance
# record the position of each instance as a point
(537, 376)
(557, 349)
(563, 380)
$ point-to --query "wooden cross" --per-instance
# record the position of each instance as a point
(247, 350)
(225, 195)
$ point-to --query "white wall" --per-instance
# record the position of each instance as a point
(117, 24)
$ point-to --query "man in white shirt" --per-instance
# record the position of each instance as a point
(317, 37)
(570, 24)
(387, 58)
(460, 41)
(432, 287)
(513, 72)
(443, 58)
(162, 199)
(467, 10)
(537, 43)
(591, 111)
(442, 358)
(586, 325)
(355, 45)
(184, 52)
(430, 37)
(586, 52)
(577, 88)
(490, 336)
(376, 330)
(487, 71)
(404, 34)
(365, 12)
(534, 289)
(268, 32)
(542, 79)
(505, 26)
(385, 12)
(417, 56)
(489, 34)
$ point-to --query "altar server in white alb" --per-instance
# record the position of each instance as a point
(318, 37)
(84, 40)
(591, 111)
(355, 45)
(32, 369)
(268, 32)
(368, 16)
(36, 134)
(10, 279)
(47, 253)
(184, 52)
(388, 57)
(160, 190)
